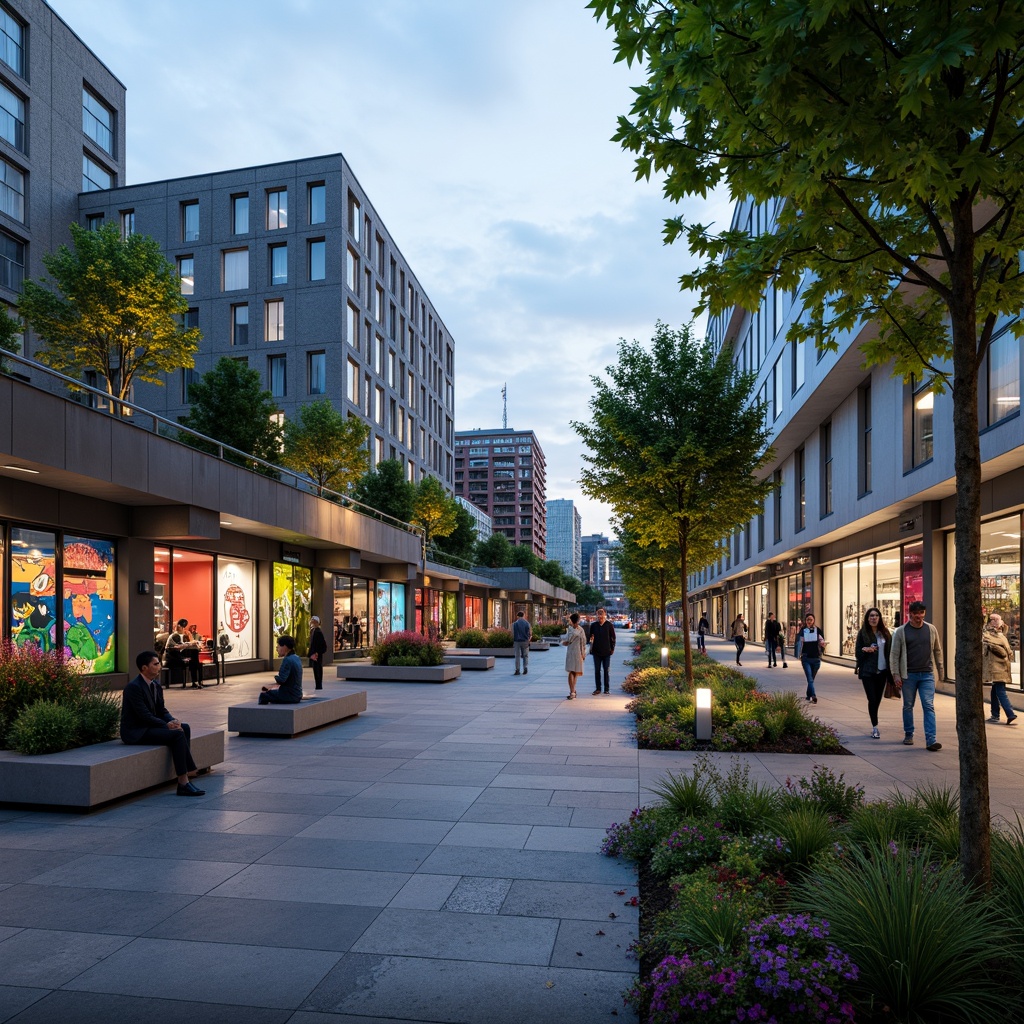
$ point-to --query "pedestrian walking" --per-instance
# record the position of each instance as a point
(738, 632)
(916, 663)
(522, 634)
(602, 647)
(772, 632)
(703, 628)
(874, 645)
(996, 658)
(575, 639)
(810, 643)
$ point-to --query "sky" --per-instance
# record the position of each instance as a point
(479, 129)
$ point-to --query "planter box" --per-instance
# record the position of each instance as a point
(486, 652)
(400, 673)
(323, 707)
(540, 645)
(89, 776)
(470, 662)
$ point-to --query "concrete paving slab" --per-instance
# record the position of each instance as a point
(582, 901)
(236, 975)
(572, 840)
(14, 999)
(24, 864)
(353, 853)
(382, 830)
(39, 957)
(27, 835)
(235, 847)
(502, 836)
(334, 886)
(425, 892)
(478, 895)
(604, 948)
(266, 823)
(150, 874)
(515, 814)
(536, 864)
(101, 1008)
(513, 780)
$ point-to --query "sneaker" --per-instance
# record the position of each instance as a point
(516, 672)
(875, 735)
(526, 671)
(993, 719)
(595, 693)
(784, 665)
(1012, 721)
(814, 700)
(908, 740)
(934, 746)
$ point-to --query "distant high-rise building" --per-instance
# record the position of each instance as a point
(481, 519)
(609, 576)
(503, 473)
(564, 527)
(588, 546)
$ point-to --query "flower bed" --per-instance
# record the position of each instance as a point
(405, 649)
(808, 904)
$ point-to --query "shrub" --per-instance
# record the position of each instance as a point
(470, 638)
(829, 791)
(29, 675)
(925, 944)
(636, 838)
(44, 727)
(99, 716)
(642, 680)
(688, 847)
(748, 733)
(406, 645)
(744, 806)
(497, 638)
(654, 734)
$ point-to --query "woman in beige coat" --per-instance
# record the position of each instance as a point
(575, 657)
(996, 658)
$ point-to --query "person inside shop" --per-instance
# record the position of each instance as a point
(181, 654)
(145, 720)
(289, 679)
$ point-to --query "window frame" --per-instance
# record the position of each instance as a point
(277, 209)
(99, 128)
(314, 360)
(239, 337)
(277, 275)
(230, 256)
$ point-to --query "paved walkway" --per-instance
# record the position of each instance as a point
(433, 860)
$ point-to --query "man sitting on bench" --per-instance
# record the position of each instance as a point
(289, 679)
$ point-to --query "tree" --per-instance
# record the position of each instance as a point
(117, 309)
(589, 597)
(10, 331)
(673, 445)
(524, 557)
(387, 490)
(495, 552)
(892, 133)
(434, 509)
(551, 572)
(647, 571)
(326, 446)
(461, 542)
(230, 405)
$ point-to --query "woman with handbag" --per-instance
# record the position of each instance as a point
(996, 656)
(872, 652)
(575, 657)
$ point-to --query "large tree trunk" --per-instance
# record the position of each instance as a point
(684, 612)
(975, 815)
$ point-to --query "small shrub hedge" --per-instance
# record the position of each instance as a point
(497, 638)
(45, 727)
(407, 648)
(472, 638)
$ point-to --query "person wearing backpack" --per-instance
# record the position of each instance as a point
(810, 647)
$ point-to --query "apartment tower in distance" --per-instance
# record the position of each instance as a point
(565, 528)
(503, 473)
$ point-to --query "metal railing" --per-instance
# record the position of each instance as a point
(145, 419)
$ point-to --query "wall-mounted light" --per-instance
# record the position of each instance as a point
(703, 719)
(144, 587)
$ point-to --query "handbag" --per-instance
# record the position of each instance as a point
(892, 691)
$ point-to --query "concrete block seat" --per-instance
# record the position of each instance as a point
(322, 707)
(364, 672)
(86, 777)
(540, 645)
(471, 662)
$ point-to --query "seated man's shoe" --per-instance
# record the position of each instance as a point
(190, 789)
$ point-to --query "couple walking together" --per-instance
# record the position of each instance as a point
(602, 647)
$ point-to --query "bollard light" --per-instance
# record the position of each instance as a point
(664, 657)
(703, 720)
(654, 636)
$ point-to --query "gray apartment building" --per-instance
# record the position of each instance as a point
(61, 133)
(565, 528)
(289, 268)
(503, 472)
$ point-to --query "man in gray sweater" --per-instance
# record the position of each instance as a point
(916, 663)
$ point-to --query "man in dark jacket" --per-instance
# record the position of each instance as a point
(602, 647)
(317, 650)
(145, 720)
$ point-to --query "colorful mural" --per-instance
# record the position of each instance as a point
(293, 602)
(88, 592)
(236, 586)
(33, 588)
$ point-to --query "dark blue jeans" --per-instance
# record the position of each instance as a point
(811, 666)
(602, 661)
(700, 643)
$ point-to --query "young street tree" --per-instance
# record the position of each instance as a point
(116, 308)
(387, 490)
(325, 445)
(647, 570)
(674, 444)
(461, 542)
(434, 510)
(892, 133)
(230, 405)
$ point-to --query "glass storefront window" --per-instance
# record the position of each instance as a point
(161, 595)
(88, 594)
(449, 622)
(293, 601)
(236, 603)
(849, 624)
(352, 614)
(33, 577)
(474, 612)
(887, 585)
(390, 608)
(913, 576)
(830, 605)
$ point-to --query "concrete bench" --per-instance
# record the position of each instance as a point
(89, 776)
(255, 719)
(471, 662)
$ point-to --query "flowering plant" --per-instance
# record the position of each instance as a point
(403, 647)
(634, 839)
(787, 972)
(688, 848)
(28, 675)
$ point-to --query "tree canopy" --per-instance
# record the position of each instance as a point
(387, 490)
(673, 444)
(648, 571)
(461, 542)
(113, 305)
(496, 552)
(883, 143)
(434, 509)
(230, 405)
(327, 446)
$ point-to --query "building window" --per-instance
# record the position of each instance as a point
(316, 371)
(12, 191)
(240, 324)
(922, 418)
(277, 374)
(800, 494)
(799, 365)
(317, 259)
(93, 221)
(826, 469)
(1003, 377)
(355, 219)
(279, 264)
(277, 210)
(191, 318)
(12, 262)
(12, 43)
(187, 274)
(236, 270)
(239, 215)
(352, 382)
(98, 121)
(865, 439)
(190, 221)
(777, 386)
(378, 411)
(352, 269)
(378, 307)
(273, 320)
(352, 325)
(188, 378)
(12, 118)
(94, 177)
(127, 224)
(317, 204)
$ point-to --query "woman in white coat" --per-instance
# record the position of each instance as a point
(575, 639)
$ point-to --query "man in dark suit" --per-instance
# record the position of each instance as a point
(145, 720)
